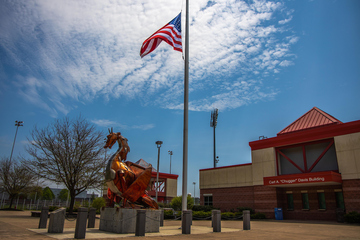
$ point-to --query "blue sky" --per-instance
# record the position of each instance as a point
(261, 63)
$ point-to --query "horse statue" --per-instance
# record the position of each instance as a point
(126, 180)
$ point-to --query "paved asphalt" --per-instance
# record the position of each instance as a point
(20, 225)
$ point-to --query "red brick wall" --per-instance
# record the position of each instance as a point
(351, 191)
(264, 199)
(260, 198)
(313, 213)
(227, 199)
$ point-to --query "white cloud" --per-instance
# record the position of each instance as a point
(72, 50)
(108, 123)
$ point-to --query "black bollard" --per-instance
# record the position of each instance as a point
(246, 220)
(80, 229)
(43, 217)
(91, 218)
(216, 220)
(162, 217)
(186, 222)
(140, 222)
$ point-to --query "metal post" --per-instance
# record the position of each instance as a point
(2, 198)
(140, 222)
(216, 220)
(186, 222)
(80, 229)
(246, 220)
(17, 124)
(186, 111)
(158, 144)
(92, 217)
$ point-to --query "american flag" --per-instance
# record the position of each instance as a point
(170, 33)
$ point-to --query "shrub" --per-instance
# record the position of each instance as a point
(201, 214)
(352, 217)
(241, 209)
(257, 216)
(176, 203)
(53, 208)
(98, 203)
(164, 205)
(169, 214)
(227, 215)
(202, 208)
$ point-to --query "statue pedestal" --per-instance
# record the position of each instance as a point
(122, 220)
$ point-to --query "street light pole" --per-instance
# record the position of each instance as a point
(171, 153)
(17, 124)
(158, 144)
(194, 190)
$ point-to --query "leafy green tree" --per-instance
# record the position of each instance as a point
(176, 203)
(36, 193)
(98, 203)
(63, 194)
(48, 194)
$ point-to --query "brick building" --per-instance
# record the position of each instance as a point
(311, 170)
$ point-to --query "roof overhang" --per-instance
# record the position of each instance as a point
(307, 135)
(304, 179)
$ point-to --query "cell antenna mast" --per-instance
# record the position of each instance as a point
(213, 123)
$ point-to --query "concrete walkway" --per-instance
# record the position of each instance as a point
(20, 225)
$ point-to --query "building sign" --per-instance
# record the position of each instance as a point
(305, 178)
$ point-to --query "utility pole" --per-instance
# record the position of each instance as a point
(17, 124)
(213, 123)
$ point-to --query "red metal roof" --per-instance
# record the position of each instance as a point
(313, 118)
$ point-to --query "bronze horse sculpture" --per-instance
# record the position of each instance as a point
(126, 181)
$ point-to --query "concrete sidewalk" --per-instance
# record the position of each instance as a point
(20, 225)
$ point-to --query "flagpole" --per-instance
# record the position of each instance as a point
(186, 111)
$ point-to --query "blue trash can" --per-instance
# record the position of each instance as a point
(278, 214)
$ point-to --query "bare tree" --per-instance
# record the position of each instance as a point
(68, 152)
(14, 178)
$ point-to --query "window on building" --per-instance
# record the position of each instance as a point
(305, 201)
(208, 200)
(321, 200)
(339, 200)
(290, 201)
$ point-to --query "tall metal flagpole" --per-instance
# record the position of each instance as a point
(186, 111)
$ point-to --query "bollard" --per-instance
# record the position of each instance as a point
(43, 217)
(216, 220)
(80, 229)
(162, 218)
(91, 218)
(246, 220)
(140, 222)
(186, 222)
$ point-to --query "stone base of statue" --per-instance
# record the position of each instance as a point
(123, 220)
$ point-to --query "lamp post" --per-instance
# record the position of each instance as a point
(171, 153)
(17, 124)
(158, 144)
(194, 190)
